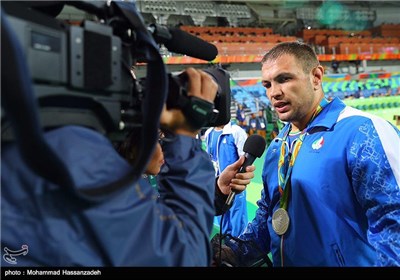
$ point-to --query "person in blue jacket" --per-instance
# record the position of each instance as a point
(252, 128)
(241, 116)
(46, 224)
(331, 193)
(225, 144)
(261, 124)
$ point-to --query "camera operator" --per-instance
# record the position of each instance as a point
(68, 197)
(130, 227)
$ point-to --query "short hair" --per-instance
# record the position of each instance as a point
(129, 148)
(301, 51)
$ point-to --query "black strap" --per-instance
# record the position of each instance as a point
(197, 111)
(154, 98)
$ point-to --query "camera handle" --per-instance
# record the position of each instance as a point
(198, 112)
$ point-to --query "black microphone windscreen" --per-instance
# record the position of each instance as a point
(254, 145)
(185, 43)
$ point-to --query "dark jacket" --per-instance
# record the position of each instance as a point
(129, 227)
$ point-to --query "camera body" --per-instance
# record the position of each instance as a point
(77, 72)
(81, 74)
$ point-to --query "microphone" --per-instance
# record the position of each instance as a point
(254, 148)
(179, 41)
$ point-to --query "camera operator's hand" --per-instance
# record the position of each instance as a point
(200, 85)
(230, 179)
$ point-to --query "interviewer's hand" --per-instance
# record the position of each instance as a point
(201, 85)
(230, 179)
(225, 257)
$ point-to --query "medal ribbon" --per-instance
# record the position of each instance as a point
(289, 155)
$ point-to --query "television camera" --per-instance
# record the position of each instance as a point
(82, 74)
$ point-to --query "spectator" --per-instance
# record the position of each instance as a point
(261, 124)
(241, 116)
(252, 129)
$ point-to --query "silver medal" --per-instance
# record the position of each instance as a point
(280, 221)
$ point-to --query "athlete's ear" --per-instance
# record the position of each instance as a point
(318, 73)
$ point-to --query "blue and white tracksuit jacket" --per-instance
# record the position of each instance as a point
(229, 148)
(344, 205)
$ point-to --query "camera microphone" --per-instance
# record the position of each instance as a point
(179, 41)
(254, 148)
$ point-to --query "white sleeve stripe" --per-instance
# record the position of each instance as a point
(387, 135)
(391, 147)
